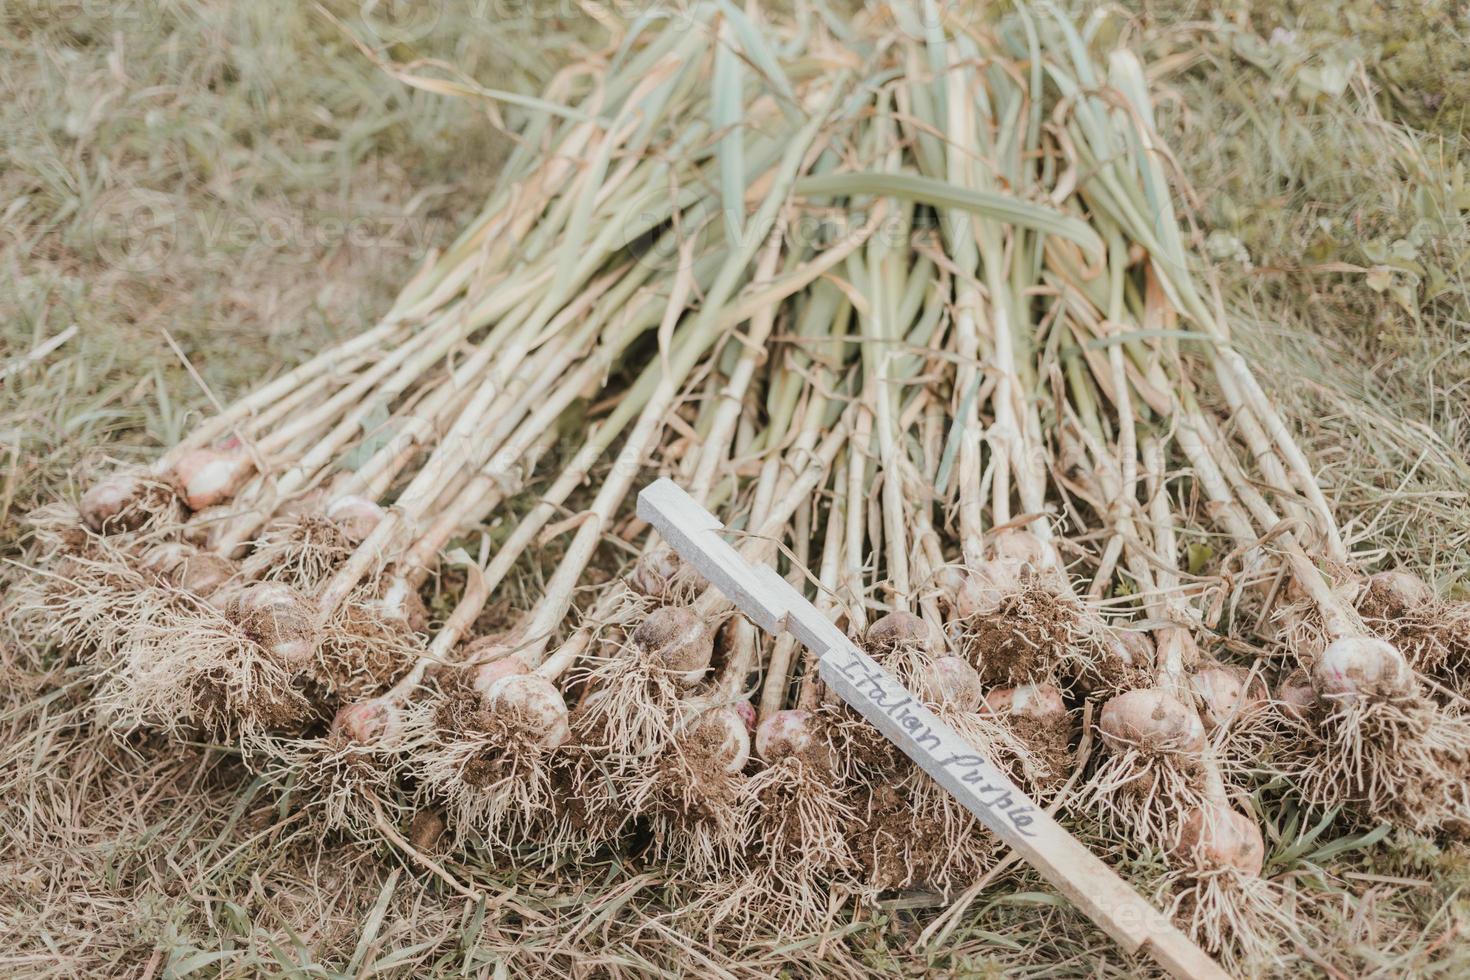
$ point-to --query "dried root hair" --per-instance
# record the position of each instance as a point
(1433, 634)
(773, 900)
(361, 652)
(1036, 754)
(1235, 914)
(591, 811)
(661, 576)
(1402, 759)
(488, 769)
(346, 778)
(191, 668)
(801, 818)
(302, 550)
(629, 705)
(695, 812)
(916, 835)
(1112, 660)
(123, 504)
(1144, 794)
(905, 644)
(165, 658)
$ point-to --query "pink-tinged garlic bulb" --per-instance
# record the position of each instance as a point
(310, 503)
(900, 629)
(1227, 693)
(678, 640)
(1039, 702)
(369, 722)
(1216, 837)
(746, 711)
(355, 516)
(1392, 594)
(987, 585)
(1152, 720)
(113, 505)
(654, 573)
(278, 618)
(1296, 695)
(723, 738)
(951, 681)
(1362, 666)
(536, 703)
(1022, 546)
(484, 676)
(206, 477)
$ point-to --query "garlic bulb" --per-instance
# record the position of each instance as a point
(164, 558)
(204, 573)
(1133, 648)
(112, 505)
(1394, 593)
(206, 477)
(1153, 720)
(1362, 666)
(1040, 702)
(355, 516)
(182, 565)
(1216, 837)
(786, 733)
(535, 702)
(278, 618)
(726, 736)
(951, 681)
(1296, 695)
(1226, 693)
(1022, 546)
(654, 573)
(900, 629)
(986, 586)
(367, 722)
(484, 676)
(676, 638)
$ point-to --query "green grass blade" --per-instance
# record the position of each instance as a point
(942, 194)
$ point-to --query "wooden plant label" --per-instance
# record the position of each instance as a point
(773, 604)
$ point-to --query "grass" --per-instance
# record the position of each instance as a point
(216, 189)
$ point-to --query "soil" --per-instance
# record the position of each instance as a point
(692, 783)
(302, 550)
(1025, 640)
(426, 829)
(1050, 744)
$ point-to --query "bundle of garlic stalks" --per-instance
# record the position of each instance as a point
(906, 301)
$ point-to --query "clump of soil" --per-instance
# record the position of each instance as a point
(1024, 640)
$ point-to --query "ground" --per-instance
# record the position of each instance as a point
(207, 191)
